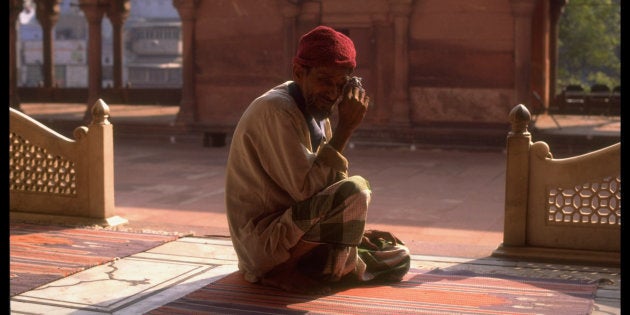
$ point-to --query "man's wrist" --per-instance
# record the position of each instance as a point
(340, 138)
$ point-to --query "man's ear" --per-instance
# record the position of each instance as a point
(298, 72)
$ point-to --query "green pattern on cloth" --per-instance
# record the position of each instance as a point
(350, 265)
(389, 263)
(336, 215)
(335, 218)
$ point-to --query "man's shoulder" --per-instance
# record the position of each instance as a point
(277, 98)
(280, 91)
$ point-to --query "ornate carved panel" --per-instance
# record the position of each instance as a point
(34, 169)
(593, 203)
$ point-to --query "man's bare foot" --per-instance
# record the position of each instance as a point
(292, 280)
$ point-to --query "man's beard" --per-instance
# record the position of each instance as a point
(319, 113)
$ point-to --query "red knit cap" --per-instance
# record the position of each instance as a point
(323, 46)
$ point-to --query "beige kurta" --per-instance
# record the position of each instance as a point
(270, 167)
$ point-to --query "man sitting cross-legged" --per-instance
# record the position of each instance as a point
(297, 219)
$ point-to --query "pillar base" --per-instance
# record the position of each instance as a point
(559, 255)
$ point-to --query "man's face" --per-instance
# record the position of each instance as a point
(322, 87)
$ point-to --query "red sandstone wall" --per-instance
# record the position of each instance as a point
(460, 57)
(461, 60)
(238, 55)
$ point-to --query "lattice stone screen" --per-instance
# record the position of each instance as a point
(56, 177)
(33, 168)
(594, 203)
(560, 209)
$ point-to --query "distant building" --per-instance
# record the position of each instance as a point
(152, 54)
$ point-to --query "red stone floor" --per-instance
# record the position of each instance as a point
(443, 202)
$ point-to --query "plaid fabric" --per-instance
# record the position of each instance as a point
(389, 263)
(337, 214)
(336, 218)
(356, 264)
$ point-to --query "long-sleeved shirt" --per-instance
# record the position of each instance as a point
(271, 166)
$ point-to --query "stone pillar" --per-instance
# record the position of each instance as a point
(540, 57)
(555, 7)
(517, 178)
(47, 13)
(101, 156)
(15, 7)
(94, 11)
(117, 14)
(400, 10)
(188, 105)
(383, 63)
(522, 11)
(289, 12)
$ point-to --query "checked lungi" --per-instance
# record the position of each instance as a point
(336, 219)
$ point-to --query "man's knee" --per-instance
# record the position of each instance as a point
(360, 182)
(355, 188)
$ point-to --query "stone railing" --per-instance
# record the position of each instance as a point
(54, 178)
(560, 209)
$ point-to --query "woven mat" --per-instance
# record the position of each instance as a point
(420, 292)
(40, 254)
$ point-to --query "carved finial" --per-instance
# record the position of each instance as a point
(519, 118)
(100, 113)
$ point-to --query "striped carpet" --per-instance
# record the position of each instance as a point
(421, 292)
(40, 254)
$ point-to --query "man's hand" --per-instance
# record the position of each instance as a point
(352, 107)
